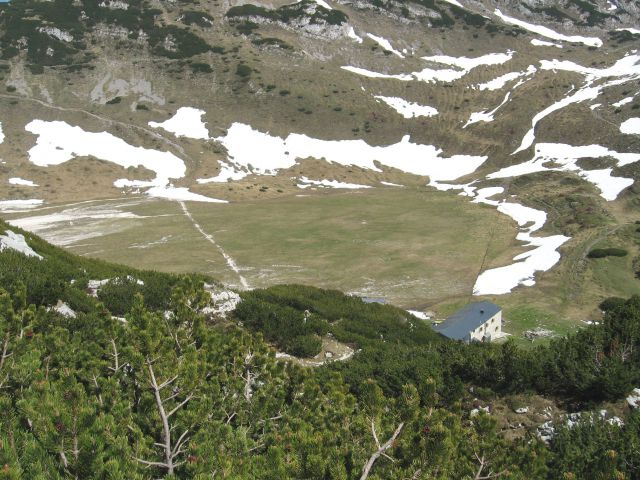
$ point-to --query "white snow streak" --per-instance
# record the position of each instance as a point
(22, 182)
(230, 261)
(306, 183)
(501, 81)
(485, 116)
(547, 32)
(384, 43)
(408, 109)
(541, 43)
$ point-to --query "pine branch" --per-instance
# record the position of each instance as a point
(381, 448)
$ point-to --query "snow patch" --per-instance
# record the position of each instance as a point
(227, 173)
(306, 183)
(501, 81)
(187, 122)
(541, 43)
(10, 206)
(634, 31)
(16, 241)
(262, 154)
(566, 157)
(59, 142)
(354, 36)
(408, 109)
(22, 182)
(501, 280)
(622, 102)
(485, 116)
(631, 126)
(384, 43)
(70, 225)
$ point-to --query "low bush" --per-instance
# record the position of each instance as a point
(607, 252)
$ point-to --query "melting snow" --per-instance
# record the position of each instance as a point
(324, 4)
(463, 66)
(501, 280)
(584, 94)
(547, 32)
(22, 182)
(180, 194)
(1, 134)
(16, 241)
(634, 31)
(384, 43)
(631, 126)
(10, 206)
(485, 116)
(352, 34)
(541, 43)
(59, 142)
(408, 109)
(622, 102)
(634, 398)
(501, 81)
(227, 173)
(187, 122)
(306, 183)
(454, 2)
(263, 154)
(69, 225)
(624, 70)
(567, 156)
(419, 314)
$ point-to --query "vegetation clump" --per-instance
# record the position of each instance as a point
(173, 391)
(607, 252)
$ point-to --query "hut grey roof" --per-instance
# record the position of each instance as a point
(458, 326)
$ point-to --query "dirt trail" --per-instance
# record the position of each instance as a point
(230, 261)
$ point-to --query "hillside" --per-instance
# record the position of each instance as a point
(266, 142)
(186, 389)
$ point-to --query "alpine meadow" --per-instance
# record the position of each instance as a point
(320, 239)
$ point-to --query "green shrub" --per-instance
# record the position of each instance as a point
(305, 346)
(243, 70)
(607, 252)
(118, 295)
(114, 101)
(198, 67)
